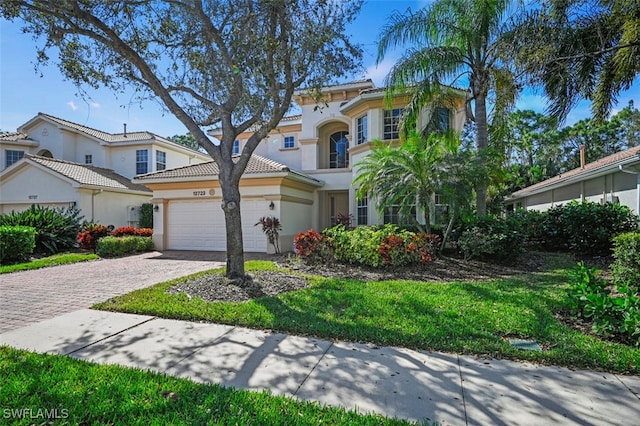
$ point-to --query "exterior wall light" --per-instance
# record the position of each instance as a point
(272, 206)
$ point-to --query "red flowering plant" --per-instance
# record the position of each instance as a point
(311, 245)
(271, 227)
(91, 233)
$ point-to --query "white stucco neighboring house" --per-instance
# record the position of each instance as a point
(305, 175)
(81, 158)
(101, 195)
(615, 179)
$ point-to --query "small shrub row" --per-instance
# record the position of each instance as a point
(111, 246)
(56, 228)
(92, 233)
(16, 243)
(591, 297)
(373, 246)
(625, 269)
(130, 230)
(584, 228)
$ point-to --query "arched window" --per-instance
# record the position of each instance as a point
(338, 150)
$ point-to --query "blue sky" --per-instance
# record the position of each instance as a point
(24, 93)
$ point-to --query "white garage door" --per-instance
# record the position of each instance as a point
(199, 225)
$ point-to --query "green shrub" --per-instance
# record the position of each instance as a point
(91, 234)
(110, 246)
(586, 228)
(16, 243)
(625, 269)
(490, 238)
(56, 228)
(590, 297)
(380, 246)
(146, 216)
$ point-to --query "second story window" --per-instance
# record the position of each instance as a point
(236, 147)
(161, 160)
(88, 159)
(391, 124)
(338, 150)
(142, 161)
(361, 130)
(442, 121)
(289, 142)
(12, 157)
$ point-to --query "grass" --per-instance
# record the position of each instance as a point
(79, 392)
(53, 260)
(462, 317)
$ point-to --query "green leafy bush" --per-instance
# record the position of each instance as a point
(490, 238)
(91, 234)
(16, 243)
(146, 216)
(586, 228)
(56, 228)
(625, 269)
(111, 246)
(590, 296)
(373, 246)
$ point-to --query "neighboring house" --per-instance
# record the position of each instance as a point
(25, 177)
(101, 195)
(301, 173)
(615, 178)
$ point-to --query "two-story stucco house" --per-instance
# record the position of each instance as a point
(301, 173)
(54, 162)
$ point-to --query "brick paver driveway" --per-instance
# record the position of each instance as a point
(32, 296)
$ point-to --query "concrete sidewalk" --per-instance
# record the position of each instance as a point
(395, 382)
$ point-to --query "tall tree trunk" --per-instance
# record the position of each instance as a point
(233, 224)
(482, 136)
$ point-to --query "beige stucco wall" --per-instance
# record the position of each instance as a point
(19, 188)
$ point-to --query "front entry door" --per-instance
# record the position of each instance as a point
(338, 205)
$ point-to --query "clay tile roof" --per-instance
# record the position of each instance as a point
(602, 163)
(87, 175)
(14, 136)
(99, 134)
(256, 165)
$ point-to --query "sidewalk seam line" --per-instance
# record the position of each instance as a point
(464, 402)
(110, 336)
(628, 388)
(313, 369)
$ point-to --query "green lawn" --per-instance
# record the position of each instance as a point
(79, 392)
(56, 259)
(462, 317)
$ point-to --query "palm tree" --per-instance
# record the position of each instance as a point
(405, 176)
(450, 42)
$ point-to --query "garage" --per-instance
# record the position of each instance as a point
(187, 213)
(199, 225)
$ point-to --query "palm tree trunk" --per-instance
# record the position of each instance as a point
(482, 136)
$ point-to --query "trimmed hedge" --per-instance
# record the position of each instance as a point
(373, 246)
(490, 238)
(56, 228)
(16, 243)
(117, 246)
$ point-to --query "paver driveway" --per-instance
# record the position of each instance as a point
(32, 296)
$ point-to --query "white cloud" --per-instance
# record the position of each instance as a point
(379, 72)
(94, 104)
(72, 105)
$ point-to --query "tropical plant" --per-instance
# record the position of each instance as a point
(405, 176)
(16, 243)
(146, 215)
(271, 227)
(580, 49)
(452, 41)
(233, 64)
(56, 228)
